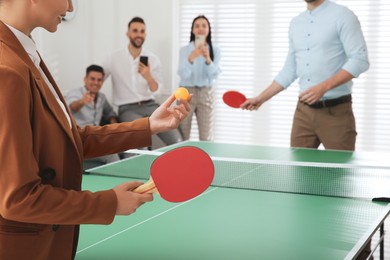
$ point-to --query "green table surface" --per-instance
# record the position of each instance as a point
(276, 212)
(225, 223)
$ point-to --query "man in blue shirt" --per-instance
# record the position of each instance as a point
(89, 106)
(326, 51)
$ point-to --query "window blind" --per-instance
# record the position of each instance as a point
(253, 37)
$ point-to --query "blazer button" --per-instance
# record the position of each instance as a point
(47, 174)
(55, 227)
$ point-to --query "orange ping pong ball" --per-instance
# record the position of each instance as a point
(182, 93)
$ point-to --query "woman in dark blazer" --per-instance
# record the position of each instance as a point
(42, 148)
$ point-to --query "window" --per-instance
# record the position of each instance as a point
(254, 43)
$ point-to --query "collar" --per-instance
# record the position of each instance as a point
(142, 53)
(319, 8)
(28, 44)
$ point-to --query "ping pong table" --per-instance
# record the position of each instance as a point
(264, 203)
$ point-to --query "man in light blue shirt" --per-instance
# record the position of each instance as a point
(89, 106)
(326, 51)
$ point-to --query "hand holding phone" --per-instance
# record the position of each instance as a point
(200, 40)
(144, 60)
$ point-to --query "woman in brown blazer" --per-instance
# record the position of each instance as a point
(42, 148)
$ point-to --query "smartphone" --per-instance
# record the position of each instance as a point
(199, 40)
(144, 60)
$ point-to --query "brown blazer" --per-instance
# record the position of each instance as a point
(41, 157)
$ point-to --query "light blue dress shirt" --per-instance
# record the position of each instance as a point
(321, 43)
(198, 73)
(90, 114)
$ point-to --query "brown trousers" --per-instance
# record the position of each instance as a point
(333, 127)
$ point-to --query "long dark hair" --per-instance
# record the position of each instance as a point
(208, 38)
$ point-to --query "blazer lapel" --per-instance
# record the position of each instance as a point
(55, 107)
(10, 39)
(52, 101)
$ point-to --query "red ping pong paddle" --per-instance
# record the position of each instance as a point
(179, 174)
(233, 98)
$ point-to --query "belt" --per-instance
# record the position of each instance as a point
(331, 102)
(141, 102)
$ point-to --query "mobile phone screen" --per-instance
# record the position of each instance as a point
(144, 60)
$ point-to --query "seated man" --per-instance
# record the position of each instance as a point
(90, 107)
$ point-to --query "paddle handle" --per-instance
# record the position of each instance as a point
(148, 187)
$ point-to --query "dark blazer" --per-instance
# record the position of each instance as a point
(41, 158)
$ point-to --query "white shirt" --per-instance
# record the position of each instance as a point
(128, 85)
(29, 46)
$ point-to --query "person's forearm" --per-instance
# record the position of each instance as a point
(270, 91)
(191, 59)
(77, 105)
(193, 56)
(338, 79)
(153, 85)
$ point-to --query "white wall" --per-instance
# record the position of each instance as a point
(98, 28)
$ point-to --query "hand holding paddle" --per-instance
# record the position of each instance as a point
(180, 174)
(236, 99)
(254, 103)
(128, 202)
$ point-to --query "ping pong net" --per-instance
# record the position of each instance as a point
(324, 179)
